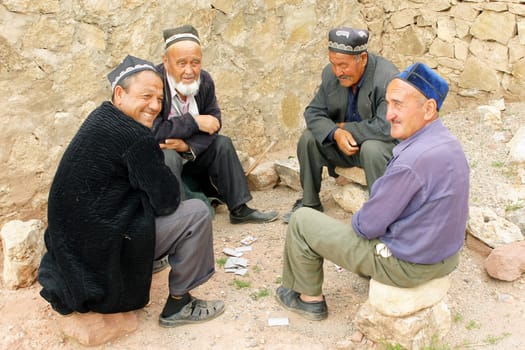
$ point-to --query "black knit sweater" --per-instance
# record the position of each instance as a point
(100, 239)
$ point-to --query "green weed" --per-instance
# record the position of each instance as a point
(261, 293)
(221, 261)
(472, 325)
(513, 207)
(239, 284)
(458, 318)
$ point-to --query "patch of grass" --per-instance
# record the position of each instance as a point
(256, 269)
(221, 261)
(497, 164)
(492, 339)
(261, 293)
(472, 325)
(239, 284)
(394, 347)
(458, 318)
(511, 171)
(279, 280)
(513, 207)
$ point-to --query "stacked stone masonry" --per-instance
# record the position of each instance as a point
(266, 57)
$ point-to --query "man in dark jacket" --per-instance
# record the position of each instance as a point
(114, 207)
(346, 124)
(189, 124)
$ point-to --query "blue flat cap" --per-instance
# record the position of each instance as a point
(428, 82)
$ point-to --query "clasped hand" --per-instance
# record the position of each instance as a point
(176, 144)
(346, 142)
(207, 123)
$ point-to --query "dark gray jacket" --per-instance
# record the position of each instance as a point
(329, 105)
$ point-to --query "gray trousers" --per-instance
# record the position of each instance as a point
(373, 157)
(186, 237)
(313, 237)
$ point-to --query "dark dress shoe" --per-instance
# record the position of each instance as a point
(299, 204)
(255, 216)
(290, 300)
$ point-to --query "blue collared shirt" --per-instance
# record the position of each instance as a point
(419, 207)
(352, 114)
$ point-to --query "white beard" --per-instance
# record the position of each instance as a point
(185, 89)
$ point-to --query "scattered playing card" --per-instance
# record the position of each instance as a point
(232, 252)
(278, 321)
(248, 240)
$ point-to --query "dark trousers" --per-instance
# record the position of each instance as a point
(218, 172)
(373, 157)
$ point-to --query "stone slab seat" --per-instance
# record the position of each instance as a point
(410, 317)
(400, 302)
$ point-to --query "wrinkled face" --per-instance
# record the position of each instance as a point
(408, 110)
(182, 60)
(142, 97)
(348, 68)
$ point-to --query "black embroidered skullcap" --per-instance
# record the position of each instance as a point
(428, 82)
(348, 40)
(129, 66)
(185, 32)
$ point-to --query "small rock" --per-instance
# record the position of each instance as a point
(357, 337)
(507, 262)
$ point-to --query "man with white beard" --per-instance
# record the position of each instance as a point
(188, 128)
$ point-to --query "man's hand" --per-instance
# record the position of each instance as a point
(207, 123)
(345, 141)
(176, 144)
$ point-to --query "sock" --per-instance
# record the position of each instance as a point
(175, 303)
(242, 210)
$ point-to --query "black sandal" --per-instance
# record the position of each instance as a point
(196, 311)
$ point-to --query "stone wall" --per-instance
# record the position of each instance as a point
(265, 55)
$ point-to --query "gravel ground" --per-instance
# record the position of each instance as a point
(487, 314)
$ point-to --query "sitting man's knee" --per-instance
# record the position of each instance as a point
(371, 147)
(306, 138)
(172, 159)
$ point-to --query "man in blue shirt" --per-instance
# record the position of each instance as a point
(412, 228)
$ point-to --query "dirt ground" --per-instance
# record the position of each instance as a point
(487, 314)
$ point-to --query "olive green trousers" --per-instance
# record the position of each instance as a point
(313, 237)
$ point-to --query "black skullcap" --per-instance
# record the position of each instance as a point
(428, 82)
(348, 40)
(129, 66)
(185, 32)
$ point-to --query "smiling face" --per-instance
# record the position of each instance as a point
(348, 68)
(408, 110)
(141, 97)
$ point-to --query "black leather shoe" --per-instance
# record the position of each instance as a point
(255, 216)
(290, 300)
(299, 204)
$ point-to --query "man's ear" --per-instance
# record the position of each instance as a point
(117, 94)
(430, 108)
